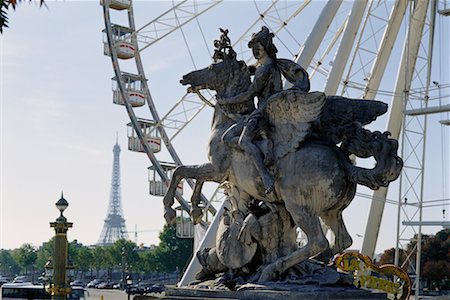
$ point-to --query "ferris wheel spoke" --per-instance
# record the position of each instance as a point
(189, 106)
(318, 67)
(278, 18)
(374, 48)
(171, 20)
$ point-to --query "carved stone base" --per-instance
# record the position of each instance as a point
(273, 291)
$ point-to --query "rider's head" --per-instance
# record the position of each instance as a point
(265, 38)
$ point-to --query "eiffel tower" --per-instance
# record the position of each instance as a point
(114, 228)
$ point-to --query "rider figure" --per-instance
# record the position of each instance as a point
(266, 82)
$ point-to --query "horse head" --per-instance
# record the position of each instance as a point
(227, 77)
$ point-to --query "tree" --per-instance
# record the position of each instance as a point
(435, 258)
(4, 6)
(173, 252)
(8, 266)
(436, 270)
(26, 257)
(123, 253)
(83, 260)
(150, 261)
(80, 256)
(100, 259)
(44, 253)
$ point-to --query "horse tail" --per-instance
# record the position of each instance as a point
(364, 143)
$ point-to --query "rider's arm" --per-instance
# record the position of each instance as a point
(258, 84)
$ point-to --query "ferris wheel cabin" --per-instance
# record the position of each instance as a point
(151, 136)
(157, 186)
(134, 87)
(117, 4)
(122, 40)
(184, 225)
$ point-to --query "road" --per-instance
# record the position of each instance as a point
(97, 294)
(106, 294)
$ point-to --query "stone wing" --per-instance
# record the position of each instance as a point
(291, 113)
(340, 112)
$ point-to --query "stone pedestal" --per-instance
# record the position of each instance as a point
(275, 291)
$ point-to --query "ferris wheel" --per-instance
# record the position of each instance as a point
(362, 49)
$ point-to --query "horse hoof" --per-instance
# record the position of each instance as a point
(269, 273)
(269, 184)
(265, 277)
(169, 215)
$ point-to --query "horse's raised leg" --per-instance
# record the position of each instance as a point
(205, 172)
(342, 239)
(196, 211)
(309, 222)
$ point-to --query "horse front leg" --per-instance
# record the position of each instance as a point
(202, 173)
(168, 200)
(206, 172)
(196, 211)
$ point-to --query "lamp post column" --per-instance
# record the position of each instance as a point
(60, 288)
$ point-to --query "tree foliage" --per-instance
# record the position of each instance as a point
(4, 6)
(435, 258)
(388, 256)
(100, 258)
(123, 253)
(26, 257)
(173, 252)
(44, 253)
(8, 264)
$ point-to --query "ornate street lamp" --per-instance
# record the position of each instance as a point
(60, 287)
(129, 283)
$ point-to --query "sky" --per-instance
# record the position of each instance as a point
(59, 125)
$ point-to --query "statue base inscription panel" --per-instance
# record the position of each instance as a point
(275, 291)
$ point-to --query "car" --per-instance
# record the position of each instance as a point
(105, 285)
(21, 279)
(77, 283)
(135, 290)
(117, 286)
(3, 280)
(35, 291)
(156, 288)
(94, 283)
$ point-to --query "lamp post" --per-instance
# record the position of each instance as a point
(60, 288)
(129, 283)
(122, 282)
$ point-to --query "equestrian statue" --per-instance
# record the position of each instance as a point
(283, 157)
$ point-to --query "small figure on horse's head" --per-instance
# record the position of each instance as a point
(294, 133)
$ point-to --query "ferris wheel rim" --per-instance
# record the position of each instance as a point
(129, 109)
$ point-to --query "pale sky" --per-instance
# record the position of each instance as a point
(59, 125)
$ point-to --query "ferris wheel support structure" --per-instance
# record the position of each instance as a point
(345, 47)
(314, 39)
(385, 49)
(402, 87)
